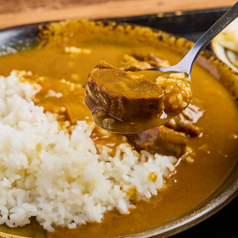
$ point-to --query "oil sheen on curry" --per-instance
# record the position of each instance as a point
(60, 66)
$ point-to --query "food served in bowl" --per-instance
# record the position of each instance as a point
(59, 169)
(225, 45)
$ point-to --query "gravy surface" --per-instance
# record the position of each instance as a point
(214, 153)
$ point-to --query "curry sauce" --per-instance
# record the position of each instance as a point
(214, 151)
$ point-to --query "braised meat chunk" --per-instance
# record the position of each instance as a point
(184, 122)
(137, 62)
(171, 138)
(160, 140)
(117, 91)
(116, 100)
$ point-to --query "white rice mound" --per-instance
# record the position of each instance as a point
(59, 178)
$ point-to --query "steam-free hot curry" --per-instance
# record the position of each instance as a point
(204, 136)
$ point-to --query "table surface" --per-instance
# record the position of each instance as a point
(18, 12)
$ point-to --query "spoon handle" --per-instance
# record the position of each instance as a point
(187, 62)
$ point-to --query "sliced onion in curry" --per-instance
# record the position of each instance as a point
(127, 102)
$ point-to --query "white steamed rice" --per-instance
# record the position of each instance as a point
(62, 179)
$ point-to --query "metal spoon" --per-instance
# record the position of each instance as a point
(185, 65)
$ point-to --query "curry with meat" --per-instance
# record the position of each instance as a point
(133, 101)
(205, 161)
